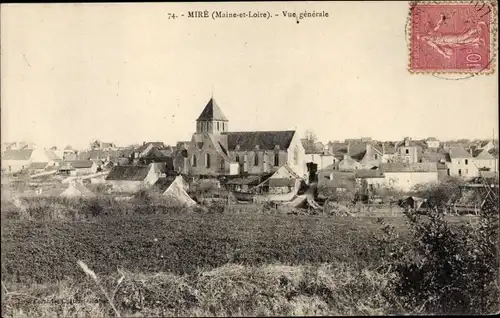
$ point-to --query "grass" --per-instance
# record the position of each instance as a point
(43, 251)
(229, 290)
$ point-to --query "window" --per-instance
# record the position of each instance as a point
(217, 126)
(466, 162)
(460, 172)
(407, 151)
(256, 159)
(375, 156)
(194, 161)
(237, 158)
(207, 161)
(222, 166)
(276, 159)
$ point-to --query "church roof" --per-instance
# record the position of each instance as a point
(212, 112)
(266, 140)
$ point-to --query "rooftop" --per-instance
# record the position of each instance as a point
(212, 112)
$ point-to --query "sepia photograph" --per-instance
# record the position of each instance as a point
(232, 159)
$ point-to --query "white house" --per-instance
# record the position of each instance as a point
(432, 143)
(132, 178)
(81, 167)
(486, 160)
(14, 160)
(460, 163)
(405, 177)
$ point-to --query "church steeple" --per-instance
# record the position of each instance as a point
(211, 119)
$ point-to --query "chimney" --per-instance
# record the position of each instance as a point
(348, 147)
(383, 148)
(470, 151)
(143, 143)
(368, 147)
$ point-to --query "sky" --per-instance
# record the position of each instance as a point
(126, 73)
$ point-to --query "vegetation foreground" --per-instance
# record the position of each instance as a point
(171, 262)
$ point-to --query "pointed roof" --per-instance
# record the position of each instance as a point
(212, 112)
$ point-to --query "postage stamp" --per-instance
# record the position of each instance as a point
(452, 37)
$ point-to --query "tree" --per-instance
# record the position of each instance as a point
(310, 136)
(95, 144)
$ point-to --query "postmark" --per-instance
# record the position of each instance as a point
(452, 37)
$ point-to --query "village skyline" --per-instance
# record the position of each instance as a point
(131, 75)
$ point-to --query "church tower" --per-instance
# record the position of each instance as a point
(211, 119)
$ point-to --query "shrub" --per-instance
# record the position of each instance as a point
(446, 269)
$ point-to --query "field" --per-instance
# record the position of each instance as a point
(178, 262)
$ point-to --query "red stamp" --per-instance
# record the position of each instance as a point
(451, 37)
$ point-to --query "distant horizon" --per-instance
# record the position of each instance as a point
(118, 145)
(126, 73)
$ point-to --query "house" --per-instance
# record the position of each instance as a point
(312, 151)
(215, 151)
(389, 151)
(146, 147)
(408, 151)
(335, 179)
(486, 145)
(84, 167)
(244, 184)
(131, 178)
(460, 163)
(69, 154)
(373, 156)
(35, 167)
(15, 160)
(364, 154)
(8, 146)
(47, 156)
(65, 168)
(17, 145)
(107, 145)
(433, 156)
(317, 156)
(180, 161)
(282, 181)
(154, 154)
(405, 177)
(349, 164)
(373, 179)
(432, 143)
(486, 160)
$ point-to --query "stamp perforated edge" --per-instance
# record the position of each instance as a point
(493, 42)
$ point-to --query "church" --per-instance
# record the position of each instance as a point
(216, 151)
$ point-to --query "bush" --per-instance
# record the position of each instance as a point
(446, 269)
(439, 195)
